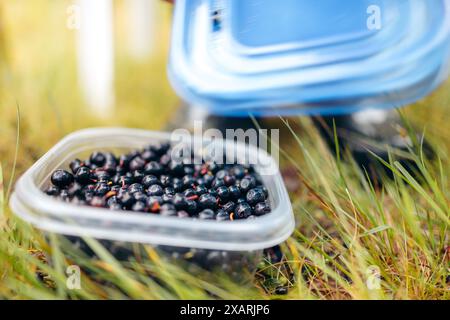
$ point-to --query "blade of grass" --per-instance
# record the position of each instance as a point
(16, 152)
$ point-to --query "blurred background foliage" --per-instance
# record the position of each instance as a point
(38, 67)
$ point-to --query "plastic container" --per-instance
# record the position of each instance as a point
(249, 40)
(245, 64)
(232, 241)
(206, 79)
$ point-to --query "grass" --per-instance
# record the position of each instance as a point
(347, 228)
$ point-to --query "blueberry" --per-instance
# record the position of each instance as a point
(161, 148)
(221, 174)
(223, 193)
(112, 201)
(246, 184)
(75, 165)
(201, 182)
(168, 210)
(133, 154)
(190, 193)
(207, 180)
(110, 157)
(88, 164)
(262, 208)
(191, 207)
(153, 168)
(61, 178)
(201, 190)
(238, 171)
(120, 170)
(229, 180)
(229, 207)
(178, 185)
(140, 196)
(154, 204)
(213, 193)
(167, 198)
(179, 201)
(128, 175)
(189, 181)
(135, 187)
(52, 190)
(124, 161)
(138, 175)
(235, 192)
(155, 190)
(222, 215)
(126, 199)
(165, 160)
(255, 195)
(165, 180)
(264, 190)
(217, 183)
(148, 156)
(102, 176)
(176, 168)
(149, 180)
(137, 164)
(282, 290)
(169, 191)
(88, 195)
(207, 201)
(115, 188)
(188, 170)
(97, 158)
(206, 214)
(64, 195)
(110, 168)
(75, 190)
(243, 211)
(116, 179)
(214, 167)
(139, 206)
(125, 181)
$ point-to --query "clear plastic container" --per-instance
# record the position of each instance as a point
(234, 241)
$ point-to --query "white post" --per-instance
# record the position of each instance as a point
(142, 27)
(96, 54)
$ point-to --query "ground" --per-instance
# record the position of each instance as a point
(349, 233)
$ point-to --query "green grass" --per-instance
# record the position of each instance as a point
(345, 224)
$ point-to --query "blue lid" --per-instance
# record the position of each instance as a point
(271, 25)
(308, 57)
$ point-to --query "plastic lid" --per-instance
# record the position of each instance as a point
(267, 26)
(235, 57)
(248, 40)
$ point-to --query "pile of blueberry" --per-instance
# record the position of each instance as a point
(149, 181)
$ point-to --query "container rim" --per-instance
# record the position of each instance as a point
(30, 203)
